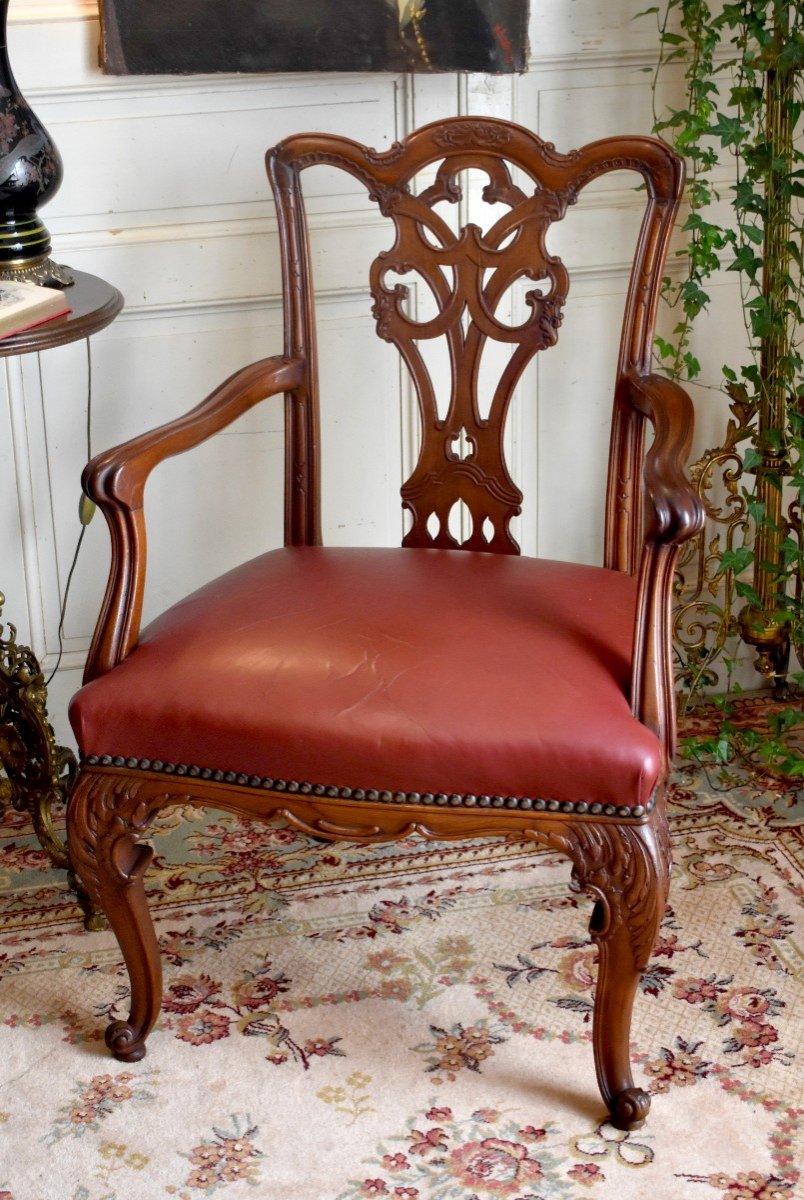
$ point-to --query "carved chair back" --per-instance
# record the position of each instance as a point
(468, 273)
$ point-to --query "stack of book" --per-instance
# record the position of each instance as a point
(23, 305)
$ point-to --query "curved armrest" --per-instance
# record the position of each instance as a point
(116, 480)
(677, 514)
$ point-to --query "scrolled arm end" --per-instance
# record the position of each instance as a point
(677, 511)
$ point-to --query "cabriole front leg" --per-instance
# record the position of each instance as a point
(627, 870)
(106, 816)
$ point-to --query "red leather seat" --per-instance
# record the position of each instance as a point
(323, 666)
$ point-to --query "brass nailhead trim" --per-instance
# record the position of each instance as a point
(440, 799)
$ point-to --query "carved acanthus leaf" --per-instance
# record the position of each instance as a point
(626, 868)
(108, 816)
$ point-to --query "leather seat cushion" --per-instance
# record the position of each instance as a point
(406, 670)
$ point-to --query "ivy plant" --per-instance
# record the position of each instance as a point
(742, 105)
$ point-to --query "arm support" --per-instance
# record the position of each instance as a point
(116, 480)
(676, 510)
(675, 515)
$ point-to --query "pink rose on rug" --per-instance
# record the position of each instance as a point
(576, 969)
(586, 1173)
(744, 1003)
(439, 1114)
(680, 1067)
(395, 1162)
(487, 1115)
(203, 1027)
(232, 1157)
(208, 1154)
(373, 1187)
(695, 991)
(501, 1168)
(421, 1143)
(108, 1087)
(256, 993)
(530, 1134)
(751, 1186)
(188, 991)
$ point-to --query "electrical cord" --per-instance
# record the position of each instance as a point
(86, 510)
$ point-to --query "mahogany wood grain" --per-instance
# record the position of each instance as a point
(622, 860)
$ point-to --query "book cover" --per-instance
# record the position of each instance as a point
(23, 305)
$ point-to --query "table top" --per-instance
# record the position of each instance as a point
(94, 303)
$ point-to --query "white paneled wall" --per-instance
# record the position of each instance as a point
(165, 196)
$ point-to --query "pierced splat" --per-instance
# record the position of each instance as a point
(460, 446)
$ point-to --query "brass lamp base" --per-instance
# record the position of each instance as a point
(43, 271)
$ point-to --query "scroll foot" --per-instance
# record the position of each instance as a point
(629, 1109)
(123, 1042)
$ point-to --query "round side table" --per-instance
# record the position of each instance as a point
(94, 303)
(35, 773)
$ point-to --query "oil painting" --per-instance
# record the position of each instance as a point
(152, 37)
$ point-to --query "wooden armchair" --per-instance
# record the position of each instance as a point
(451, 690)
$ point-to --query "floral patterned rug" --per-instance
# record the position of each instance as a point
(409, 1022)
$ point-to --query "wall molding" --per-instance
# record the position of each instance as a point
(165, 231)
(37, 12)
(596, 60)
(137, 87)
(175, 233)
(270, 302)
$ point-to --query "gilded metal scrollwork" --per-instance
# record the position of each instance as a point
(707, 612)
(795, 526)
(36, 773)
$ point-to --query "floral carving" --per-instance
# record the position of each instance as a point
(480, 269)
(393, 154)
(108, 815)
(472, 133)
(626, 868)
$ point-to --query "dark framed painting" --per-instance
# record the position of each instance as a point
(146, 37)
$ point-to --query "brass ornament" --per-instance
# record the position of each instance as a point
(707, 611)
(36, 773)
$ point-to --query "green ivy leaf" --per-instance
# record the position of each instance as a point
(736, 560)
(754, 233)
(730, 130)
